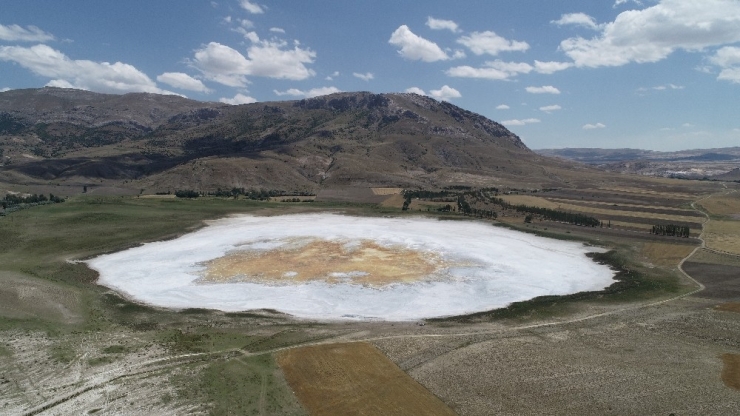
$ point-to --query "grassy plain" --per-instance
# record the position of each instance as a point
(68, 345)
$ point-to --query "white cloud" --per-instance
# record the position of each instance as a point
(593, 126)
(251, 7)
(15, 33)
(227, 66)
(502, 107)
(653, 33)
(59, 83)
(551, 108)
(550, 67)
(545, 89)
(250, 35)
(365, 77)
(4, 89)
(277, 30)
(458, 54)
(669, 86)
(445, 93)
(621, 2)
(439, 24)
(415, 47)
(577, 19)
(314, 92)
(728, 59)
(47, 62)
(687, 125)
(490, 43)
(520, 122)
(495, 70)
(332, 76)
(238, 99)
(415, 90)
(245, 23)
(182, 81)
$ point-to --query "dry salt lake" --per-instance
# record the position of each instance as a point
(333, 267)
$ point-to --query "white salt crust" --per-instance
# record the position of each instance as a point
(506, 266)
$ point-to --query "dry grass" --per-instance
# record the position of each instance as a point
(709, 257)
(613, 204)
(731, 370)
(564, 206)
(354, 379)
(643, 191)
(723, 236)
(386, 191)
(666, 254)
(722, 205)
(393, 201)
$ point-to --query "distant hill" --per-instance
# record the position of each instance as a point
(695, 163)
(156, 142)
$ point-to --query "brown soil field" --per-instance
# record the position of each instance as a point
(731, 371)
(643, 191)
(722, 282)
(723, 236)
(544, 203)
(354, 379)
(630, 207)
(598, 195)
(728, 307)
(393, 201)
(722, 205)
(666, 254)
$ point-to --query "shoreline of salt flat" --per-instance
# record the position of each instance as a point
(512, 266)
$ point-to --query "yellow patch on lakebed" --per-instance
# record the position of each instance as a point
(363, 262)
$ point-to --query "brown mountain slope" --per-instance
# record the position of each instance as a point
(346, 139)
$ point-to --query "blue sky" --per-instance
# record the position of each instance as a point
(651, 74)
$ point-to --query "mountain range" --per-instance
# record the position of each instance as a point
(159, 143)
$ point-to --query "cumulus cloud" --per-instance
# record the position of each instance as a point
(490, 43)
(550, 67)
(593, 126)
(332, 76)
(182, 81)
(502, 107)
(227, 66)
(314, 92)
(545, 89)
(238, 99)
(653, 33)
(495, 70)
(523, 122)
(4, 89)
(621, 2)
(15, 33)
(47, 62)
(415, 90)
(551, 108)
(728, 59)
(445, 93)
(365, 77)
(415, 47)
(251, 7)
(577, 19)
(439, 24)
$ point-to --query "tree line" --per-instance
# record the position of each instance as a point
(671, 230)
